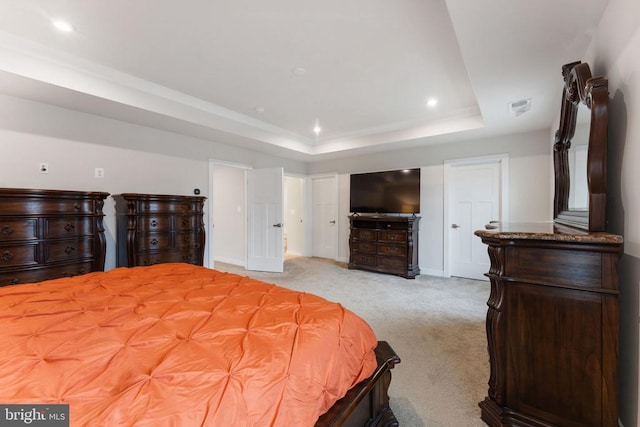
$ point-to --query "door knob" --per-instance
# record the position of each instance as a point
(455, 226)
(279, 225)
(332, 222)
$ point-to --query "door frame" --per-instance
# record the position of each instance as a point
(210, 259)
(503, 161)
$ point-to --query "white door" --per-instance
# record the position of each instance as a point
(475, 202)
(265, 224)
(324, 195)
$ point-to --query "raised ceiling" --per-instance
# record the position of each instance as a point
(261, 75)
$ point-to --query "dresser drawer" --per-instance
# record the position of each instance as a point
(186, 222)
(398, 236)
(558, 266)
(367, 247)
(393, 262)
(154, 241)
(187, 240)
(18, 229)
(67, 227)
(166, 206)
(363, 259)
(45, 273)
(168, 256)
(154, 223)
(392, 250)
(68, 250)
(364, 234)
(48, 206)
(19, 255)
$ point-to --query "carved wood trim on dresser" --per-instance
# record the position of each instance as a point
(154, 228)
(48, 234)
(552, 327)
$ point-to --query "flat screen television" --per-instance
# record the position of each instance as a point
(388, 192)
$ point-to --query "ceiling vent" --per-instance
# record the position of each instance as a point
(518, 108)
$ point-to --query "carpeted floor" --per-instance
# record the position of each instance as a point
(435, 325)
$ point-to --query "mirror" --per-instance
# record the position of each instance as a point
(578, 185)
(580, 150)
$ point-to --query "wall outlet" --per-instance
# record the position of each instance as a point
(44, 167)
(99, 172)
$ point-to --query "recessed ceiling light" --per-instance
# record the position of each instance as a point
(432, 102)
(63, 26)
(317, 129)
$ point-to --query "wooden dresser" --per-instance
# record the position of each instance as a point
(552, 326)
(386, 244)
(48, 234)
(154, 229)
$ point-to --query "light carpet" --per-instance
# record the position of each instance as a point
(436, 325)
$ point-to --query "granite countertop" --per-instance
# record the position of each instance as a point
(546, 231)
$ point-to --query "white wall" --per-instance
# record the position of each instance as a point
(615, 54)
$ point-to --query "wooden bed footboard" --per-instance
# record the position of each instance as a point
(366, 404)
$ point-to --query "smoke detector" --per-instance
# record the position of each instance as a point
(518, 108)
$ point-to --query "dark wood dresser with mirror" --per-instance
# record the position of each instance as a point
(385, 244)
(154, 229)
(552, 322)
(49, 234)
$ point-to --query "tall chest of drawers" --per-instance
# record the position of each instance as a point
(48, 234)
(154, 229)
(386, 244)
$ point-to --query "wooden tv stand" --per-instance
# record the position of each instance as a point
(385, 244)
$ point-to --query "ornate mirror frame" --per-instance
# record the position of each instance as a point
(581, 88)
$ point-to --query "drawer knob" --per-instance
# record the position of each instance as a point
(69, 227)
(7, 256)
(154, 242)
(77, 207)
(185, 222)
(69, 250)
(187, 239)
(6, 230)
(154, 223)
(15, 281)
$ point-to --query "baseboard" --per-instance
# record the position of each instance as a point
(233, 261)
(432, 272)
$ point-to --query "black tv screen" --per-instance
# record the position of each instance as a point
(386, 192)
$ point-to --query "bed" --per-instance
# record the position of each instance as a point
(177, 344)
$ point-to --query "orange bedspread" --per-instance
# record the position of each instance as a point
(179, 345)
